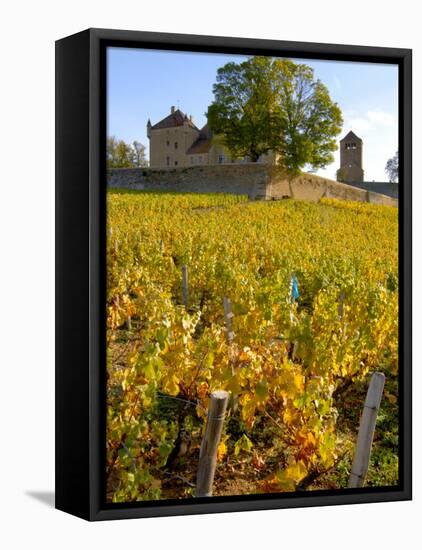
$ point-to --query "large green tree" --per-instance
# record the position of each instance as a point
(265, 104)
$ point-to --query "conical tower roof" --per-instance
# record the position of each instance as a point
(351, 135)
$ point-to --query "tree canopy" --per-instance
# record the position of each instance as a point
(392, 167)
(266, 104)
(124, 155)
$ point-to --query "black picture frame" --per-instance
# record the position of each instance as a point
(80, 271)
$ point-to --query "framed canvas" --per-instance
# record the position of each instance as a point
(233, 274)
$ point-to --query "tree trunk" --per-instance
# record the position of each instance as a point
(254, 156)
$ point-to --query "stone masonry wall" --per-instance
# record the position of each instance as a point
(238, 179)
(383, 187)
(258, 181)
(313, 188)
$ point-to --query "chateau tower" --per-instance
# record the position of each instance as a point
(170, 138)
(350, 170)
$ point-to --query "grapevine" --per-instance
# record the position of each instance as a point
(294, 364)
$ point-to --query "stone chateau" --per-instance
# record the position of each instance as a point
(175, 141)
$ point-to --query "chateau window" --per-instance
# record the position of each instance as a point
(167, 143)
(175, 145)
(168, 161)
(175, 163)
(200, 160)
(220, 159)
(192, 160)
(350, 145)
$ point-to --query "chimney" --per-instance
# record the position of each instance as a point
(190, 118)
(172, 109)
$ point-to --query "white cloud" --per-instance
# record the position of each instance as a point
(371, 121)
(381, 118)
(359, 125)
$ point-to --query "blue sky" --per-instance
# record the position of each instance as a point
(144, 84)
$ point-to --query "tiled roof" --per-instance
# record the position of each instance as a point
(351, 135)
(203, 142)
(174, 119)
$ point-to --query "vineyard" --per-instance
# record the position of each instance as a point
(287, 305)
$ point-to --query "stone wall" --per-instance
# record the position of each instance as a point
(383, 187)
(258, 181)
(313, 188)
(238, 179)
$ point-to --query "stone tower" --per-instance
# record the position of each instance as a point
(170, 138)
(350, 170)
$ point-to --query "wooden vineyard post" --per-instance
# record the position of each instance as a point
(185, 287)
(366, 430)
(340, 307)
(293, 294)
(210, 442)
(293, 289)
(228, 316)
